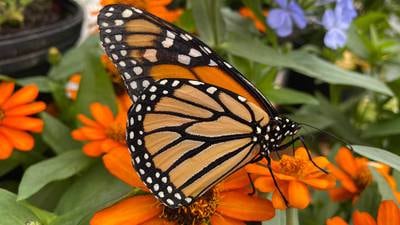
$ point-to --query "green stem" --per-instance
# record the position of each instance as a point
(292, 216)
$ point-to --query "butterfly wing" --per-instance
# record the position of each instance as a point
(185, 136)
(146, 49)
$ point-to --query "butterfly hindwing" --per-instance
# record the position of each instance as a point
(146, 49)
(184, 137)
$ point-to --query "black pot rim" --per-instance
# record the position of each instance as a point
(72, 8)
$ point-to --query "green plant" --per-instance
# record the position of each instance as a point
(12, 11)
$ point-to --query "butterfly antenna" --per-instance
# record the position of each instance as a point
(347, 144)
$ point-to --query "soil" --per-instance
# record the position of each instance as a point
(37, 14)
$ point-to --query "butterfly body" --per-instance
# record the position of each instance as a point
(195, 119)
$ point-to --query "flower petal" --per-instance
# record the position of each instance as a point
(19, 139)
(328, 19)
(275, 18)
(299, 196)
(88, 122)
(345, 179)
(237, 180)
(157, 221)
(93, 148)
(265, 184)
(135, 210)
(27, 109)
(218, 219)
(78, 135)
(335, 38)
(102, 114)
(340, 194)
(5, 148)
(336, 221)
(363, 218)
(92, 133)
(346, 161)
(297, 15)
(388, 213)
(277, 199)
(257, 209)
(24, 95)
(23, 123)
(6, 90)
(326, 182)
(118, 163)
(257, 169)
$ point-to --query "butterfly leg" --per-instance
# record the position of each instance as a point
(253, 189)
(301, 139)
(275, 182)
(309, 155)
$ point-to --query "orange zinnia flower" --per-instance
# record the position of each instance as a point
(72, 86)
(14, 121)
(103, 133)
(293, 174)
(246, 12)
(388, 214)
(158, 7)
(353, 173)
(223, 205)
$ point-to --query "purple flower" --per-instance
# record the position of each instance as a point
(348, 10)
(336, 22)
(281, 19)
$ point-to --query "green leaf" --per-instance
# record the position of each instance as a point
(57, 135)
(341, 125)
(278, 219)
(302, 62)
(92, 191)
(378, 154)
(208, 20)
(285, 96)
(383, 186)
(42, 82)
(44, 216)
(72, 61)
(384, 128)
(369, 199)
(57, 168)
(8, 165)
(12, 212)
(95, 86)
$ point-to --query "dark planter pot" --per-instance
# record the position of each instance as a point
(25, 52)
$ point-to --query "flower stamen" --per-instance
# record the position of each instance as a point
(197, 213)
(292, 166)
(116, 132)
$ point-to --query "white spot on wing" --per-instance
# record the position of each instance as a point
(184, 59)
(127, 13)
(194, 53)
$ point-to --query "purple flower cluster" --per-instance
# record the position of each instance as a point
(336, 21)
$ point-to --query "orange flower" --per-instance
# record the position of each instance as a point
(384, 170)
(223, 205)
(15, 110)
(353, 173)
(104, 133)
(388, 214)
(158, 7)
(72, 86)
(246, 12)
(293, 175)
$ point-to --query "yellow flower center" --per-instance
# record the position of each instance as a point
(363, 178)
(293, 166)
(116, 132)
(197, 213)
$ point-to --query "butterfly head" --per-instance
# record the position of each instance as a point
(277, 130)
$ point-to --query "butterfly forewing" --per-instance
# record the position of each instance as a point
(185, 136)
(146, 48)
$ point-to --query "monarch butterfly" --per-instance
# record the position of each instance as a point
(195, 119)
